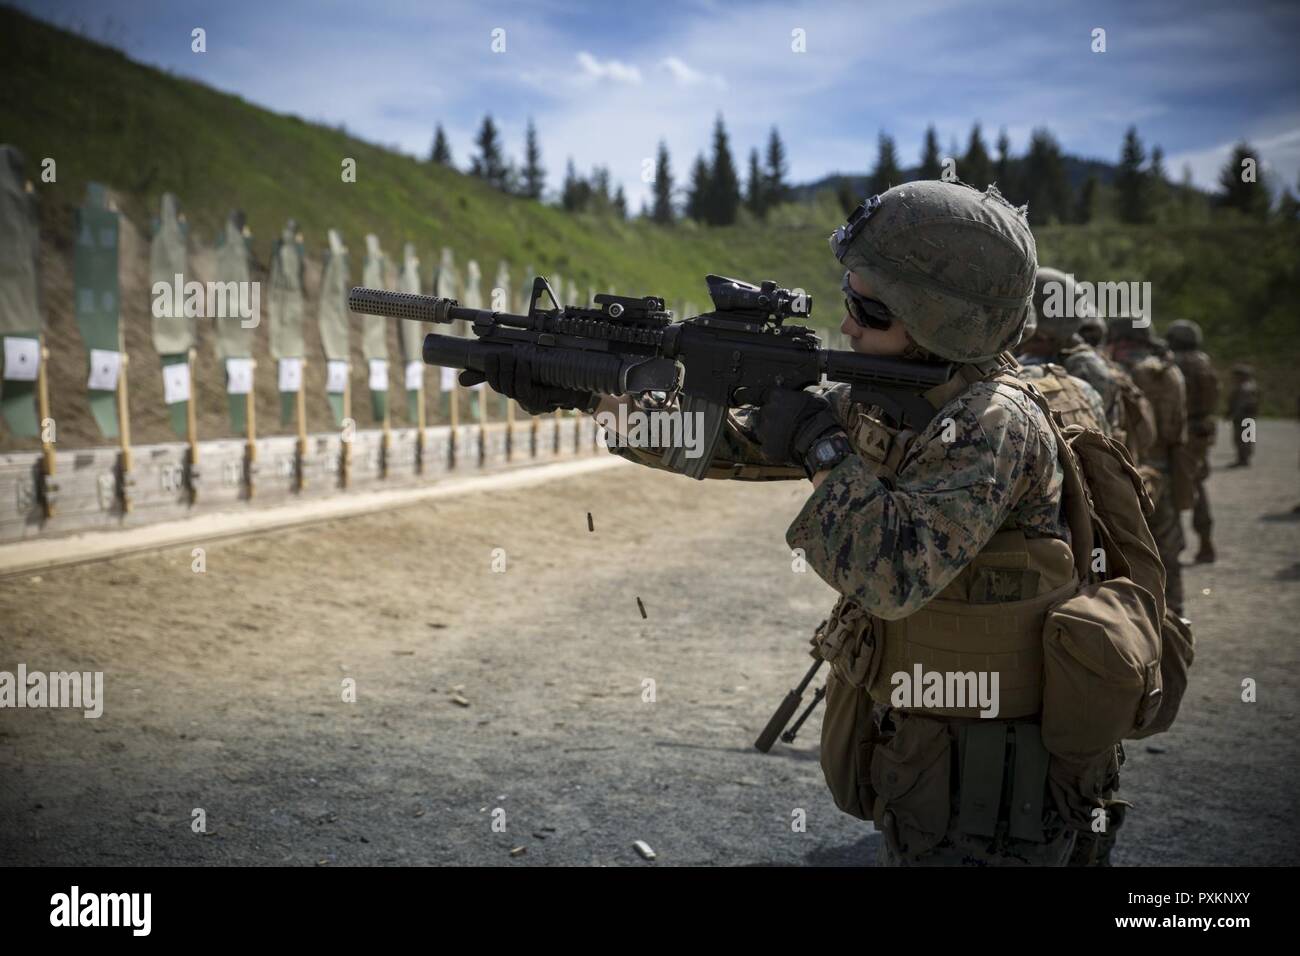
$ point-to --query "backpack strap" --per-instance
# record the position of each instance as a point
(1075, 502)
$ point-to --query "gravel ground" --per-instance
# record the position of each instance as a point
(517, 698)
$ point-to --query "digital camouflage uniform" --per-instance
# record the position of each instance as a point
(892, 536)
(1053, 329)
(1184, 337)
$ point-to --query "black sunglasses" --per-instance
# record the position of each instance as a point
(868, 313)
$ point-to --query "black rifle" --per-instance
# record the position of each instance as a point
(784, 712)
(722, 359)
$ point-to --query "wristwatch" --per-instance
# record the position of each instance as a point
(826, 453)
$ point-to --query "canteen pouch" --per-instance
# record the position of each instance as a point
(848, 734)
(1101, 669)
(1177, 650)
(911, 775)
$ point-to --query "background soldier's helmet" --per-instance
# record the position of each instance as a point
(1183, 334)
(1093, 329)
(1031, 325)
(1242, 370)
(1120, 329)
(1059, 315)
(955, 266)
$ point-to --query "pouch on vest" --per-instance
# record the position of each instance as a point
(1177, 650)
(910, 773)
(847, 741)
(1101, 669)
(846, 642)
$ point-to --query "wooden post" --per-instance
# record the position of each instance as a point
(250, 430)
(419, 426)
(48, 486)
(510, 429)
(345, 453)
(454, 403)
(555, 439)
(532, 436)
(387, 440)
(192, 431)
(480, 412)
(123, 430)
(301, 403)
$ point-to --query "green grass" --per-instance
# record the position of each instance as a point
(144, 132)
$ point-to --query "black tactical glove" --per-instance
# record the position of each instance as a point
(512, 376)
(789, 422)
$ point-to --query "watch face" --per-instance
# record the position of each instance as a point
(826, 451)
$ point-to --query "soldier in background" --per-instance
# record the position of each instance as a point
(1073, 400)
(1093, 330)
(1243, 404)
(1184, 338)
(1163, 463)
(1055, 339)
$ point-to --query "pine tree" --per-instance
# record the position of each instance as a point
(1287, 207)
(931, 162)
(441, 152)
(755, 187)
(778, 191)
(697, 197)
(620, 202)
(600, 198)
(663, 208)
(1002, 171)
(534, 175)
(975, 166)
(886, 173)
(575, 195)
(1045, 186)
(1131, 181)
(1157, 184)
(724, 184)
(489, 164)
(1087, 208)
(1249, 198)
(844, 195)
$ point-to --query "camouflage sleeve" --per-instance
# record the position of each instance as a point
(1088, 365)
(738, 455)
(891, 550)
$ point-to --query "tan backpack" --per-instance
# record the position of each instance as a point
(1115, 660)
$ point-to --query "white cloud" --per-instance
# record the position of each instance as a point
(686, 76)
(613, 70)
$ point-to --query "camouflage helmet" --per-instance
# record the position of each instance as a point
(1031, 325)
(1121, 328)
(1054, 300)
(955, 265)
(1242, 370)
(1183, 334)
(1092, 328)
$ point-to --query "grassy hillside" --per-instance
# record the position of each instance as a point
(144, 132)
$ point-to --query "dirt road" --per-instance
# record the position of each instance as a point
(224, 690)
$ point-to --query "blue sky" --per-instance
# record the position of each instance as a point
(605, 81)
